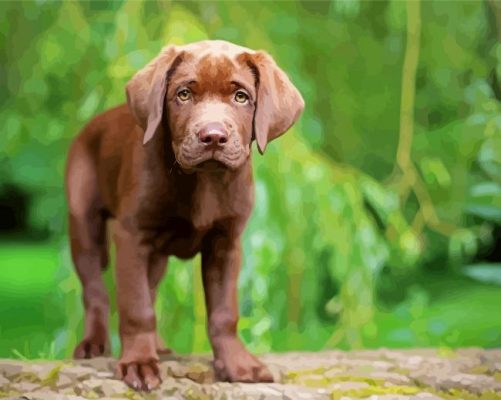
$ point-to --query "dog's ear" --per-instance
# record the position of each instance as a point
(279, 103)
(146, 90)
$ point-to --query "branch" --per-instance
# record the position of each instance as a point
(405, 175)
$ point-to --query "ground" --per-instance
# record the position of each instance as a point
(381, 374)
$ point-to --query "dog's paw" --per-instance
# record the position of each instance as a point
(140, 376)
(90, 348)
(238, 365)
(138, 364)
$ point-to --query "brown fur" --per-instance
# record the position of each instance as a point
(170, 193)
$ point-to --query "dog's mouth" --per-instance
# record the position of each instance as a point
(211, 165)
(199, 158)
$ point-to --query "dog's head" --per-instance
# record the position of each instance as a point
(217, 97)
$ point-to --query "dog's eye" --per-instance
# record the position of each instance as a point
(241, 97)
(184, 94)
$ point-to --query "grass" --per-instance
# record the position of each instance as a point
(28, 269)
(41, 315)
(27, 282)
(443, 309)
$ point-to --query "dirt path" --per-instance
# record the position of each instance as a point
(381, 374)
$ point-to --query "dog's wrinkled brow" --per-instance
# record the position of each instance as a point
(239, 84)
(188, 82)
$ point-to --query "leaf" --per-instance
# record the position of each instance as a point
(485, 201)
(462, 244)
(89, 106)
(487, 273)
(383, 201)
(183, 27)
(348, 8)
(489, 157)
(434, 171)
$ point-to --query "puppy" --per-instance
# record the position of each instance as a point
(172, 167)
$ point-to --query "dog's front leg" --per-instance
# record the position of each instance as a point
(138, 364)
(221, 259)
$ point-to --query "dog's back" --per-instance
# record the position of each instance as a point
(94, 161)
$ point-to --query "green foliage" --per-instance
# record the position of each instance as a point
(327, 228)
(489, 273)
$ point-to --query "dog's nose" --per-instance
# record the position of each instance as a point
(213, 135)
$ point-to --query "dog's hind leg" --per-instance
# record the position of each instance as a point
(87, 229)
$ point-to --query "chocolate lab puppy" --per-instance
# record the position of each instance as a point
(172, 167)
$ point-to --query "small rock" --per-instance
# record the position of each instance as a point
(334, 372)
(173, 368)
(258, 390)
(63, 381)
(10, 369)
(47, 395)
(344, 386)
(92, 384)
(391, 377)
(425, 396)
(473, 383)
(98, 363)
(105, 375)
(277, 372)
(111, 387)
(69, 391)
(382, 365)
(195, 392)
(24, 387)
(3, 380)
(179, 387)
(115, 398)
(415, 360)
(77, 373)
(312, 380)
(200, 373)
(294, 392)
(42, 371)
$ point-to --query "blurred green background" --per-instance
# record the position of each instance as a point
(377, 218)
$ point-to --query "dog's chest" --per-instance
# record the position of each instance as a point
(178, 237)
(187, 221)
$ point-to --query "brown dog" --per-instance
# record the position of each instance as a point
(173, 169)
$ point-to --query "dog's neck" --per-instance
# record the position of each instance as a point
(226, 193)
